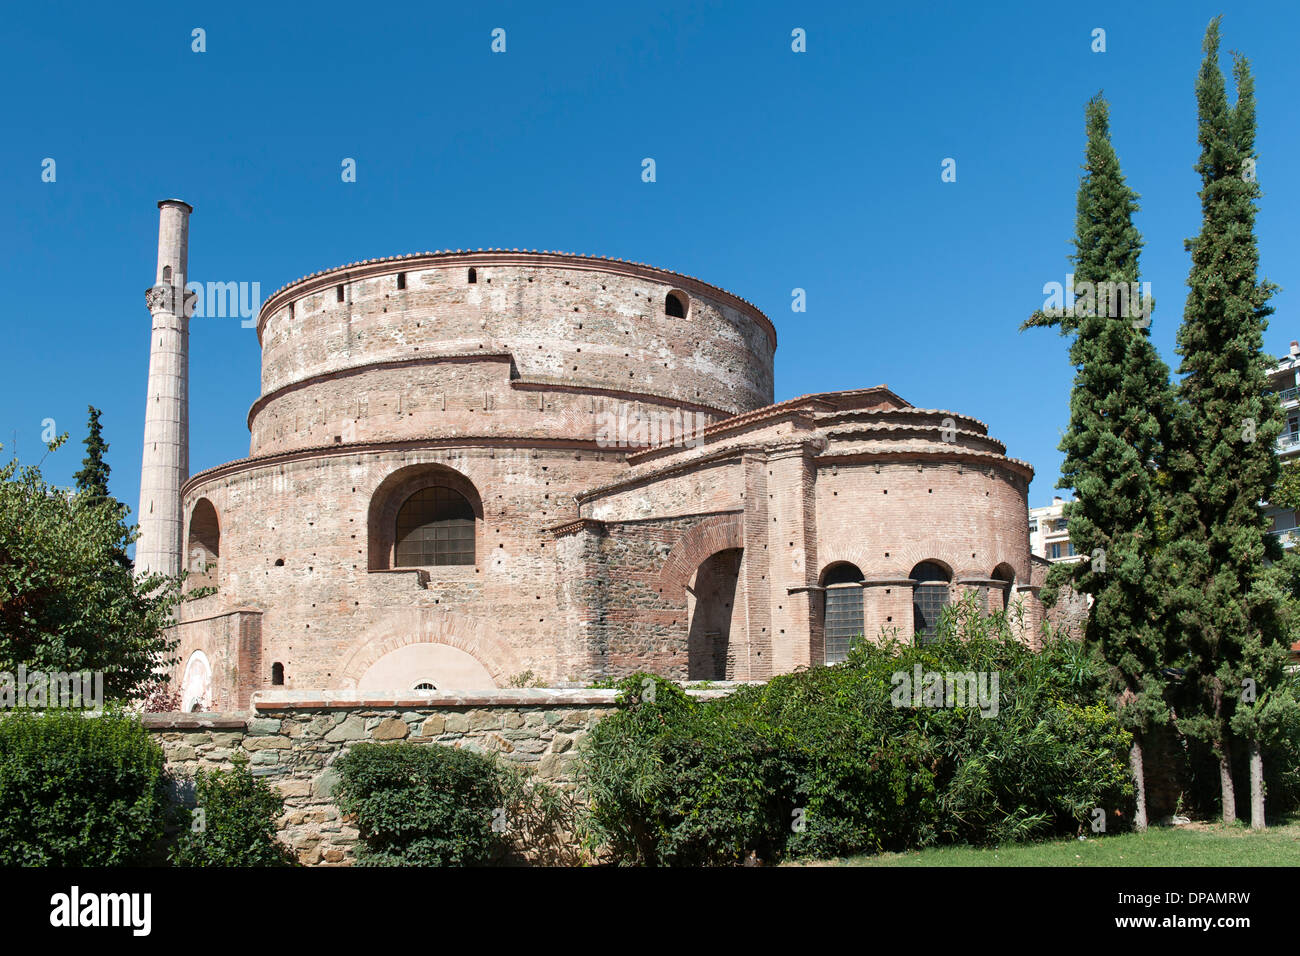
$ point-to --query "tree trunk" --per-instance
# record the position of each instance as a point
(1224, 750)
(1139, 782)
(1225, 783)
(1256, 786)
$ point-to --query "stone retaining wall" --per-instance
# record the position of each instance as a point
(292, 739)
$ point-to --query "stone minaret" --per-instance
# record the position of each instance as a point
(167, 410)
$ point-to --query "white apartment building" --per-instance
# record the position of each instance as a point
(1284, 379)
(1049, 535)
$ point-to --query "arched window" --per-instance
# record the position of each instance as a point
(843, 618)
(277, 674)
(675, 305)
(434, 526)
(928, 600)
(473, 276)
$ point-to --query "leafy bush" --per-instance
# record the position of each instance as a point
(825, 761)
(69, 600)
(540, 820)
(78, 790)
(234, 822)
(421, 805)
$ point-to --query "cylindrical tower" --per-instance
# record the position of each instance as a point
(166, 462)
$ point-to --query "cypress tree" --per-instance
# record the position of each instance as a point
(92, 481)
(93, 477)
(1227, 604)
(1119, 412)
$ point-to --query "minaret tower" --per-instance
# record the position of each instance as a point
(166, 462)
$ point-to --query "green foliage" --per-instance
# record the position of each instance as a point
(540, 820)
(825, 762)
(525, 679)
(1120, 409)
(78, 790)
(68, 598)
(1286, 493)
(1228, 603)
(237, 825)
(421, 805)
(92, 479)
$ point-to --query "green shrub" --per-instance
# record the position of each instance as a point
(421, 805)
(823, 761)
(540, 820)
(78, 790)
(234, 822)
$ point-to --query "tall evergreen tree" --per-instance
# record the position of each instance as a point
(1119, 412)
(93, 477)
(92, 481)
(1227, 605)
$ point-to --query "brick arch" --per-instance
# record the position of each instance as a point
(392, 492)
(719, 533)
(426, 625)
(857, 553)
(934, 548)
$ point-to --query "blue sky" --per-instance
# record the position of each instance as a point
(775, 170)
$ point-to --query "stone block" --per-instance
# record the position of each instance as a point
(390, 728)
(352, 728)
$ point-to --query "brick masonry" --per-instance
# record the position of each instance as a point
(384, 377)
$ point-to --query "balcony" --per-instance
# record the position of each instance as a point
(1287, 537)
(1288, 442)
(1290, 396)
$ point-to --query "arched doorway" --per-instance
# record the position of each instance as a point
(1007, 575)
(204, 546)
(713, 598)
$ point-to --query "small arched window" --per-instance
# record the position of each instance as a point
(435, 526)
(929, 598)
(277, 674)
(843, 617)
(675, 305)
(473, 276)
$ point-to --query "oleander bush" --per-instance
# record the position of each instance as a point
(837, 760)
(233, 823)
(79, 790)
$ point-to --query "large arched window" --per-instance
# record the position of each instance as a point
(928, 600)
(434, 526)
(843, 618)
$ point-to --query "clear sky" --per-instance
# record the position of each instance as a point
(775, 170)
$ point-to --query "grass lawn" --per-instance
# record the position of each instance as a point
(1196, 844)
